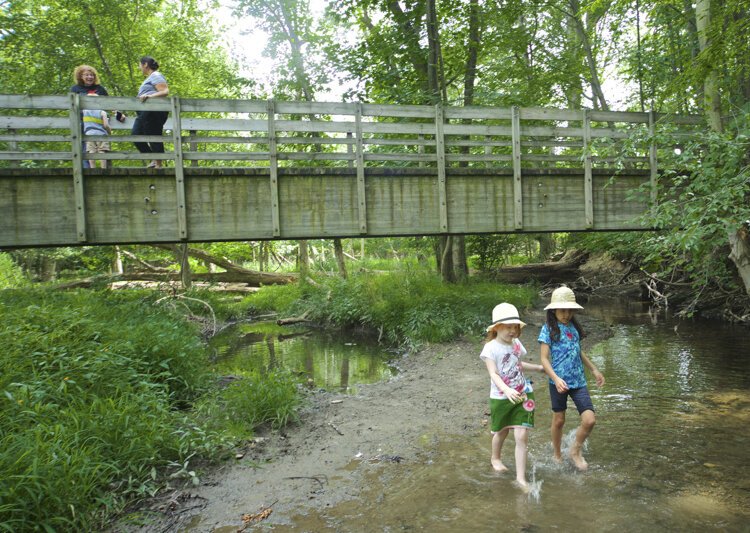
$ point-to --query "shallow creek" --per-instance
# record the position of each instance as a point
(670, 452)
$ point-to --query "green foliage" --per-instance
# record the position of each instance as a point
(270, 399)
(44, 41)
(89, 386)
(11, 275)
(701, 206)
(281, 298)
(704, 198)
(406, 307)
(489, 252)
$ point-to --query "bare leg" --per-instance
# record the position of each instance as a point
(497, 448)
(588, 420)
(521, 436)
(558, 421)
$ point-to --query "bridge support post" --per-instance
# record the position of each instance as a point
(440, 157)
(588, 181)
(273, 161)
(179, 169)
(76, 149)
(360, 156)
(515, 131)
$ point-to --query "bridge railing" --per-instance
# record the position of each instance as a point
(46, 130)
(250, 169)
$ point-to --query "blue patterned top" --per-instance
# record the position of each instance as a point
(565, 355)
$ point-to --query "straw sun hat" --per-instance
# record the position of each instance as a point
(563, 298)
(505, 314)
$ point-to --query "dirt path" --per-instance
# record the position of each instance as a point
(326, 458)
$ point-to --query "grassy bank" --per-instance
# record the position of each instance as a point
(106, 398)
(404, 308)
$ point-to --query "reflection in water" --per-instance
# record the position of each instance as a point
(324, 360)
(669, 453)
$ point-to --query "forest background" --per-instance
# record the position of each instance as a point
(667, 56)
(101, 405)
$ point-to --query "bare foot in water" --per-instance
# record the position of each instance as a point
(498, 465)
(578, 460)
(522, 485)
(557, 459)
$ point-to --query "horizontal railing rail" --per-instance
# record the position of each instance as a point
(212, 132)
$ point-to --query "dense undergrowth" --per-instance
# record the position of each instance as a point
(106, 398)
(405, 308)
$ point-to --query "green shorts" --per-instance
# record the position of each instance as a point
(506, 414)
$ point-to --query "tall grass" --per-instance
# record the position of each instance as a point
(405, 308)
(93, 388)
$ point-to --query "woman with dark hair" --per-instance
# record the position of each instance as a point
(151, 122)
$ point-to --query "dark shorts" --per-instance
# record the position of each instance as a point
(579, 396)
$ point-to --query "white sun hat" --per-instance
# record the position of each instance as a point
(563, 298)
(505, 314)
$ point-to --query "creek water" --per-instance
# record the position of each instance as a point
(325, 360)
(670, 452)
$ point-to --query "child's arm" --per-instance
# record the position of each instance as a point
(532, 366)
(560, 384)
(598, 376)
(105, 122)
(513, 395)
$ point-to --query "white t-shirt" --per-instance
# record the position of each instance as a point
(507, 359)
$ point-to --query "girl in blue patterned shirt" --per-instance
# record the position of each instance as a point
(563, 361)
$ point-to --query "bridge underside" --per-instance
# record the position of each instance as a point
(42, 207)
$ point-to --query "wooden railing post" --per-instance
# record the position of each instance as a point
(273, 161)
(588, 190)
(652, 156)
(76, 151)
(179, 169)
(361, 190)
(440, 157)
(517, 184)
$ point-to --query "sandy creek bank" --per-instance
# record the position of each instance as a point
(440, 392)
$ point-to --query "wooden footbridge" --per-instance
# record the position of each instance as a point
(257, 170)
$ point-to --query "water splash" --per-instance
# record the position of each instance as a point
(535, 487)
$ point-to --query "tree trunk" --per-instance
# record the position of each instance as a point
(546, 245)
(588, 51)
(446, 259)
(234, 273)
(183, 257)
(338, 251)
(460, 266)
(304, 260)
(739, 241)
(711, 97)
(48, 268)
(560, 271)
(117, 261)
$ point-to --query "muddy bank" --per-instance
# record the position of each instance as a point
(440, 391)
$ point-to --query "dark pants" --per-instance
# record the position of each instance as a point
(150, 123)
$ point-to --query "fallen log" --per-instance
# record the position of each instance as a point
(566, 269)
(249, 278)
